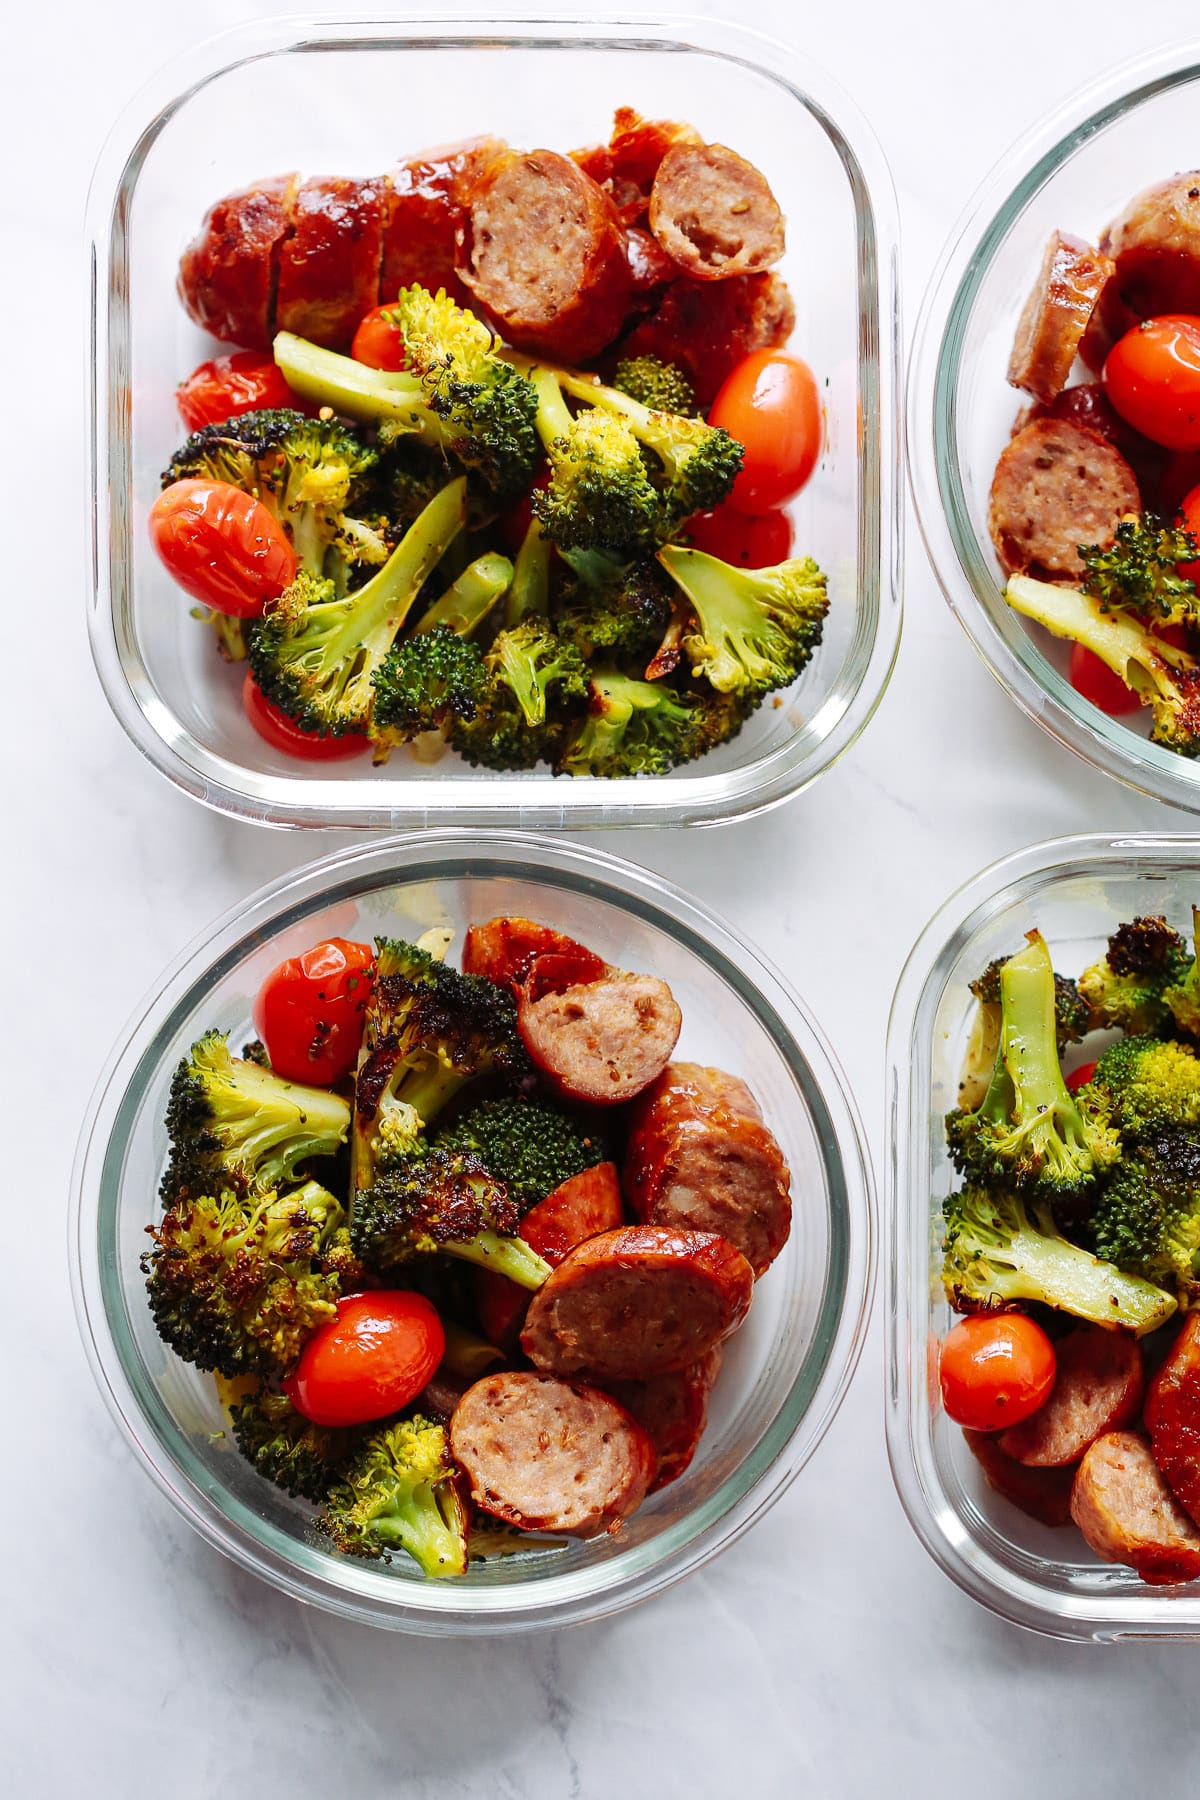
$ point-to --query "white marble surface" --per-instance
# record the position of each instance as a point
(824, 1654)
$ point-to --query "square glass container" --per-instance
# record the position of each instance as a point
(350, 97)
(1075, 891)
(1075, 172)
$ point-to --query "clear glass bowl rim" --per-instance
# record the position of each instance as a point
(966, 581)
(360, 1592)
(296, 800)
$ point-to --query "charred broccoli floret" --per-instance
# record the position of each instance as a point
(1146, 1219)
(426, 684)
(1139, 571)
(442, 1202)
(1125, 989)
(600, 496)
(530, 1145)
(624, 611)
(286, 1448)
(1182, 997)
(756, 628)
(662, 386)
(236, 1125)
(401, 1492)
(536, 681)
(1000, 1250)
(1148, 1085)
(647, 727)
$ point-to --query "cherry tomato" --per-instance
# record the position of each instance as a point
(1152, 377)
(371, 1360)
(1175, 482)
(771, 405)
(757, 542)
(282, 733)
(377, 342)
(309, 1011)
(513, 524)
(1097, 683)
(222, 546)
(1081, 1076)
(1189, 518)
(229, 385)
(995, 1370)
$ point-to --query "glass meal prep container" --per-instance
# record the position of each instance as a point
(1076, 172)
(784, 1373)
(1076, 891)
(347, 97)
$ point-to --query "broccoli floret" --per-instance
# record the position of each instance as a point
(1165, 679)
(1149, 1085)
(401, 1492)
(1182, 997)
(1139, 571)
(1029, 1129)
(647, 727)
(600, 496)
(530, 1145)
(1146, 1219)
(662, 386)
(538, 668)
(442, 1202)
(1125, 988)
(236, 1125)
(625, 613)
(756, 628)
(425, 684)
(315, 655)
(235, 1283)
(1000, 1251)
(286, 1448)
(1072, 1014)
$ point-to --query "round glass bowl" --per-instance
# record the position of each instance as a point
(784, 1374)
(1076, 172)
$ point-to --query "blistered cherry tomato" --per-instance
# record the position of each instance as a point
(377, 342)
(222, 546)
(371, 1360)
(1152, 377)
(771, 405)
(750, 541)
(309, 1011)
(229, 385)
(995, 1369)
(1081, 1076)
(282, 733)
(1097, 683)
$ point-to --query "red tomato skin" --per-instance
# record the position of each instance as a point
(1189, 518)
(375, 1357)
(1152, 377)
(282, 733)
(377, 342)
(995, 1370)
(1081, 1076)
(222, 546)
(309, 1011)
(771, 404)
(747, 541)
(230, 385)
(1095, 681)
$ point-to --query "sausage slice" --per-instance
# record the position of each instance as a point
(1056, 315)
(504, 950)
(674, 1410)
(549, 1455)
(1173, 1416)
(637, 1302)
(599, 1041)
(228, 272)
(1044, 1494)
(714, 213)
(1128, 1514)
(700, 1156)
(580, 1208)
(1057, 486)
(1156, 246)
(1097, 1389)
(330, 260)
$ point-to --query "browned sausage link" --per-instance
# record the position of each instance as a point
(1056, 315)
(579, 1208)
(1045, 1494)
(1156, 246)
(1057, 486)
(602, 1041)
(424, 214)
(637, 1302)
(1097, 1388)
(550, 1455)
(714, 213)
(542, 249)
(674, 1410)
(627, 164)
(504, 949)
(699, 1155)
(708, 327)
(1173, 1416)
(1128, 1514)
(227, 274)
(329, 264)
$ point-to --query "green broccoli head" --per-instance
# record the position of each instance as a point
(647, 727)
(1139, 570)
(1149, 1085)
(1125, 989)
(661, 386)
(1146, 1219)
(426, 683)
(530, 1145)
(756, 629)
(540, 670)
(623, 611)
(289, 1450)
(401, 1492)
(599, 496)
(1182, 997)
(444, 1202)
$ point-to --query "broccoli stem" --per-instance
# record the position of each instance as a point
(1121, 642)
(554, 418)
(430, 1530)
(468, 601)
(1047, 1267)
(504, 1255)
(1028, 1034)
(355, 390)
(382, 604)
(529, 591)
(466, 1355)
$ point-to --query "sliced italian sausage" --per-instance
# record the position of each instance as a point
(707, 327)
(637, 1302)
(1173, 1416)
(1056, 487)
(1045, 1494)
(1155, 244)
(542, 249)
(551, 1455)
(627, 164)
(329, 262)
(674, 1410)
(424, 213)
(1056, 315)
(714, 213)
(1124, 1508)
(1088, 406)
(503, 950)
(599, 1041)
(1097, 1389)
(580, 1208)
(228, 272)
(700, 1156)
